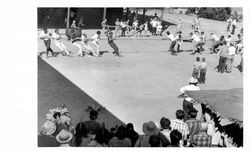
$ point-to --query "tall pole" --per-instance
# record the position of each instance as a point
(104, 13)
(162, 14)
(143, 15)
(136, 14)
(68, 13)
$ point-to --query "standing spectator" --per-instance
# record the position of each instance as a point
(234, 24)
(80, 23)
(176, 139)
(73, 25)
(179, 41)
(117, 26)
(81, 138)
(173, 42)
(120, 140)
(215, 42)
(158, 29)
(166, 128)
(123, 26)
(64, 138)
(104, 25)
(154, 141)
(92, 125)
(187, 107)
(240, 66)
(202, 139)
(46, 139)
(101, 138)
(193, 124)
(239, 43)
(149, 128)
(145, 30)
(203, 71)
(180, 125)
(131, 134)
(228, 39)
(196, 68)
(45, 36)
(179, 24)
(230, 58)
(154, 26)
(202, 42)
(196, 40)
(134, 27)
(229, 23)
(223, 52)
(191, 87)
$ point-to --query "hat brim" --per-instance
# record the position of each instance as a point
(52, 131)
(64, 141)
(147, 132)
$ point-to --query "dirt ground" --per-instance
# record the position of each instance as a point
(144, 83)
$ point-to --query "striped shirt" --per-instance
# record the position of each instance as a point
(181, 126)
(194, 126)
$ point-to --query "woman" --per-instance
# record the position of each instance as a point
(81, 139)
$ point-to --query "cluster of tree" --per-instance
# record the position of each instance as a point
(220, 13)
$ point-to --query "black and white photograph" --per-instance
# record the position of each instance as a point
(124, 75)
(140, 77)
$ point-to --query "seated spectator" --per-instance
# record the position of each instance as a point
(191, 87)
(165, 128)
(131, 134)
(120, 139)
(154, 141)
(176, 138)
(81, 139)
(46, 139)
(180, 125)
(193, 124)
(101, 139)
(64, 138)
(202, 139)
(148, 128)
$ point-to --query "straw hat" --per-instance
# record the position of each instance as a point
(64, 136)
(150, 128)
(48, 128)
(192, 80)
(189, 99)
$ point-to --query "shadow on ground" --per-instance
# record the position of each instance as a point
(54, 90)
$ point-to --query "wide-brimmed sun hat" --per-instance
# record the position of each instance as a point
(192, 80)
(64, 136)
(189, 99)
(150, 128)
(48, 128)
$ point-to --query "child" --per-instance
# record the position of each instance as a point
(178, 41)
(45, 36)
(195, 40)
(203, 70)
(95, 41)
(196, 70)
(158, 29)
(73, 25)
(202, 42)
(57, 39)
(112, 44)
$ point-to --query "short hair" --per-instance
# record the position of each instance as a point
(98, 32)
(154, 141)
(211, 33)
(168, 32)
(202, 32)
(175, 137)
(179, 114)
(121, 134)
(93, 115)
(193, 113)
(198, 58)
(203, 59)
(191, 33)
(165, 123)
(228, 35)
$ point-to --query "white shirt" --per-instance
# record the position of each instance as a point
(154, 23)
(159, 27)
(231, 51)
(234, 22)
(122, 25)
(95, 37)
(135, 24)
(189, 88)
(44, 36)
(215, 38)
(195, 38)
(56, 37)
(171, 37)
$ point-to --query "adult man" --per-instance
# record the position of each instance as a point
(180, 125)
(215, 42)
(196, 40)
(57, 39)
(193, 124)
(191, 87)
(187, 107)
(112, 44)
(173, 42)
(234, 24)
(154, 25)
(230, 58)
(95, 41)
(45, 36)
(202, 139)
(229, 22)
(223, 53)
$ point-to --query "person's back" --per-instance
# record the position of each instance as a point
(202, 139)
(223, 50)
(120, 139)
